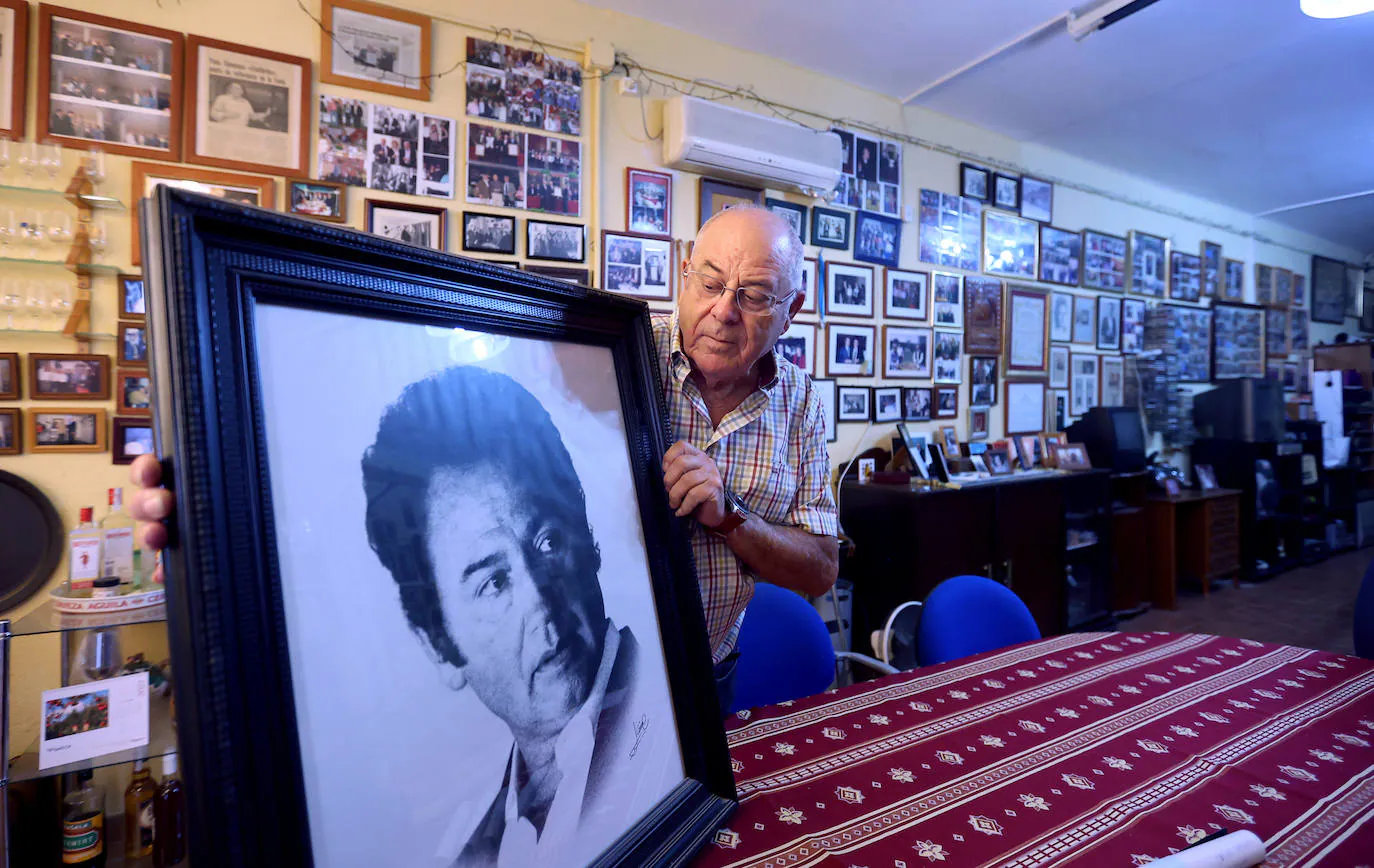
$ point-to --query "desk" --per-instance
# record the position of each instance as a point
(1195, 534)
(1090, 749)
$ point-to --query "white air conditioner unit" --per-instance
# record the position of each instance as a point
(713, 139)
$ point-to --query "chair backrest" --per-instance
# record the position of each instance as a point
(1364, 616)
(968, 615)
(784, 649)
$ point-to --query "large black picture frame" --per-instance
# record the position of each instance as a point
(210, 264)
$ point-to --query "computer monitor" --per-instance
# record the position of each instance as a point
(1244, 409)
(1115, 438)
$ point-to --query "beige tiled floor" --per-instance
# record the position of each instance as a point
(1312, 607)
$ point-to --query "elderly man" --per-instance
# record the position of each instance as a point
(750, 463)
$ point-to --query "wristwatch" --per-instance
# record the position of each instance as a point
(735, 515)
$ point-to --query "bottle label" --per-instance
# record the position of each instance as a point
(119, 554)
(83, 840)
(85, 561)
(145, 827)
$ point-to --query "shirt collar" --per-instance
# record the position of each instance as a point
(682, 365)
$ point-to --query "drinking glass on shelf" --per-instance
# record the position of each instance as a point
(60, 298)
(59, 226)
(50, 158)
(37, 304)
(97, 238)
(28, 160)
(8, 228)
(10, 301)
(35, 238)
(99, 654)
(6, 156)
(95, 166)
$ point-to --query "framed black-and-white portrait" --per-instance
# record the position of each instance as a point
(887, 404)
(488, 233)
(1132, 325)
(1084, 325)
(1108, 322)
(413, 224)
(375, 47)
(906, 353)
(794, 214)
(855, 403)
(1149, 263)
(877, 239)
(561, 242)
(982, 384)
(1006, 192)
(947, 293)
(438, 490)
(1037, 199)
(907, 294)
(848, 289)
(1328, 290)
(1061, 316)
(829, 228)
(974, 182)
(850, 350)
(638, 265)
(1059, 367)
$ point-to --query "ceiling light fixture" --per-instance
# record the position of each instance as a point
(1336, 8)
(1082, 23)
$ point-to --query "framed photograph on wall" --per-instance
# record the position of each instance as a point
(66, 430)
(575, 276)
(1328, 290)
(11, 431)
(1283, 287)
(1264, 284)
(1037, 199)
(950, 230)
(887, 404)
(877, 239)
(147, 177)
(1025, 406)
(1299, 339)
(109, 82)
(811, 285)
(949, 356)
(829, 228)
(974, 182)
(1009, 245)
(1276, 334)
(1238, 346)
(132, 302)
(1108, 322)
(1185, 276)
(916, 403)
(850, 350)
(133, 344)
(374, 47)
(1233, 282)
(649, 202)
(715, 195)
(508, 409)
(247, 109)
(637, 265)
(830, 406)
(907, 294)
(1299, 290)
(14, 58)
(1104, 261)
(906, 353)
(1006, 192)
(1084, 382)
(1061, 256)
(69, 377)
(1028, 337)
(488, 233)
(424, 225)
(848, 289)
(982, 314)
(982, 383)
(1190, 334)
(1084, 322)
(1132, 325)
(1059, 367)
(1061, 316)
(1113, 387)
(1149, 262)
(11, 376)
(130, 438)
(856, 404)
(798, 346)
(947, 292)
(978, 422)
(133, 392)
(946, 406)
(1211, 269)
(320, 200)
(794, 214)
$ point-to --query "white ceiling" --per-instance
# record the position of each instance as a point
(1246, 102)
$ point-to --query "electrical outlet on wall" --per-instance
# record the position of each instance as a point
(627, 86)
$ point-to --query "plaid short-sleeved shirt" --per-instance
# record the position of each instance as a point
(772, 456)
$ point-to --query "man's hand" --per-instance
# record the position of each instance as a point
(150, 504)
(693, 483)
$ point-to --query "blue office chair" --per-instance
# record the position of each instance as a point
(968, 615)
(1364, 616)
(785, 650)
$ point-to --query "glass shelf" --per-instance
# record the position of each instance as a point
(87, 268)
(162, 740)
(46, 619)
(105, 203)
(79, 336)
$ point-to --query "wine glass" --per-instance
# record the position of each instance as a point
(60, 296)
(10, 300)
(28, 160)
(99, 655)
(37, 303)
(6, 155)
(50, 159)
(97, 238)
(95, 165)
(8, 228)
(59, 226)
(34, 236)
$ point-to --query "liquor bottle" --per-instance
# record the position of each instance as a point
(83, 823)
(117, 558)
(139, 801)
(169, 844)
(83, 562)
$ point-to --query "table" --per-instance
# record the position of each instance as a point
(1089, 749)
(1197, 534)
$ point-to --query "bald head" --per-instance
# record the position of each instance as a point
(768, 229)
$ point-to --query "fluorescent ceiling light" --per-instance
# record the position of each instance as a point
(1336, 8)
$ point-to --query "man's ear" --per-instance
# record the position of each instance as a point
(449, 673)
(792, 309)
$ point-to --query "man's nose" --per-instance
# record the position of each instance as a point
(726, 307)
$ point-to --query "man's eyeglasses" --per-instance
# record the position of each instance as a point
(749, 300)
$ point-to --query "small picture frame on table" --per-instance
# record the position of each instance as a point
(649, 202)
(1206, 477)
(132, 303)
(1028, 450)
(326, 201)
(999, 460)
(69, 377)
(855, 404)
(130, 439)
(1048, 441)
(636, 265)
(373, 47)
(488, 233)
(949, 441)
(1072, 457)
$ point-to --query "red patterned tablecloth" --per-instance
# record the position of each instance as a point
(1092, 749)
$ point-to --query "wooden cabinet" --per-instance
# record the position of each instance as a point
(1195, 535)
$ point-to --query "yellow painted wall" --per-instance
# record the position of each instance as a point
(621, 131)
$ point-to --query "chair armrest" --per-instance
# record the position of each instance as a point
(876, 665)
